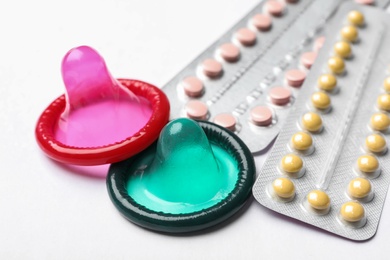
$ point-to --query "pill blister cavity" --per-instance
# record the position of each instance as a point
(368, 166)
(246, 37)
(302, 142)
(327, 82)
(356, 18)
(229, 52)
(280, 96)
(275, 8)
(380, 122)
(386, 84)
(292, 165)
(295, 77)
(192, 86)
(349, 33)
(211, 68)
(360, 189)
(376, 143)
(343, 49)
(261, 116)
(311, 122)
(196, 109)
(283, 189)
(336, 65)
(262, 22)
(321, 101)
(352, 214)
(226, 120)
(318, 43)
(308, 59)
(383, 102)
(317, 202)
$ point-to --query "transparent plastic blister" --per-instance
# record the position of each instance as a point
(341, 184)
(236, 73)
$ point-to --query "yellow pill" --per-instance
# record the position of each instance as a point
(283, 188)
(342, 49)
(336, 65)
(349, 33)
(291, 163)
(327, 82)
(356, 18)
(383, 102)
(380, 121)
(376, 143)
(312, 122)
(301, 141)
(352, 211)
(386, 84)
(367, 163)
(359, 188)
(320, 100)
(318, 200)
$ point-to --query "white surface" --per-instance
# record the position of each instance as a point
(50, 212)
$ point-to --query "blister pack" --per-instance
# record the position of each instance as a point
(330, 165)
(249, 78)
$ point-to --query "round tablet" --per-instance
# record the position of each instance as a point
(246, 37)
(294, 77)
(318, 43)
(308, 59)
(383, 102)
(349, 33)
(284, 188)
(226, 120)
(291, 163)
(376, 143)
(261, 116)
(327, 82)
(196, 109)
(365, 2)
(193, 87)
(336, 65)
(356, 18)
(359, 188)
(229, 52)
(274, 7)
(280, 96)
(386, 84)
(318, 199)
(320, 100)
(301, 141)
(380, 121)
(342, 49)
(262, 22)
(311, 122)
(368, 163)
(211, 68)
(352, 211)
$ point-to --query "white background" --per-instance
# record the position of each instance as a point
(49, 211)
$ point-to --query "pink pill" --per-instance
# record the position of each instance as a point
(226, 120)
(246, 37)
(262, 22)
(212, 68)
(318, 43)
(308, 59)
(365, 2)
(261, 116)
(295, 78)
(196, 109)
(229, 52)
(280, 96)
(192, 86)
(274, 7)
(292, 1)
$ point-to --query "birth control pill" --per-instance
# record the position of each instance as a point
(308, 59)
(229, 52)
(192, 86)
(342, 49)
(365, 2)
(291, 163)
(311, 122)
(368, 163)
(386, 84)
(327, 82)
(301, 141)
(283, 188)
(262, 22)
(261, 116)
(226, 120)
(380, 121)
(295, 78)
(318, 43)
(349, 33)
(320, 100)
(356, 18)
(212, 68)
(274, 7)
(359, 188)
(246, 37)
(280, 96)
(352, 211)
(196, 109)
(383, 102)
(318, 199)
(376, 143)
(336, 65)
